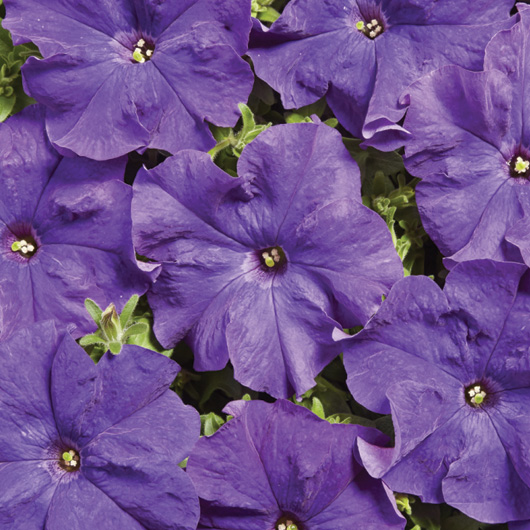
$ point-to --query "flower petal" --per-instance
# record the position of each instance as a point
(81, 505)
(358, 262)
(27, 490)
(412, 335)
(125, 384)
(27, 425)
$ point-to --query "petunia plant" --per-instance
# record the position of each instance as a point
(362, 54)
(261, 268)
(470, 146)
(453, 369)
(65, 230)
(85, 446)
(279, 466)
(126, 75)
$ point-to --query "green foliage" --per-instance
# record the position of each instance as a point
(263, 10)
(304, 114)
(370, 161)
(12, 95)
(231, 143)
(210, 423)
(114, 330)
(396, 204)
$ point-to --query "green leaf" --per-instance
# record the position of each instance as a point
(331, 122)
(222, 380)
(317, 408)
(427, 516)
(6, 106)
(94, 310)
(115, 347)
(128, 310)
(460, 522)
(136, 329)
(147, 338)
(268, 15)
(210, 423)
(371, 160)
(93, 338)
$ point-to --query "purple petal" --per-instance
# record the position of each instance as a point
(483, 292)
(229, 19)
(165, 427)
(508, 362)
(55, 25)
(135, 463)
(81, 89)
(73, 382)
(519, 235)
(408, 52)
(27, 425)
(429, 436)
(174, 186)
(434, 12)
(16, 303)
(208, 78)
(300, 454)
(303, 152)
(27, 489)
(235, 477)
(125, 383)
(464, 183)
(493, 493)
(504, 53)
(411, 335)
(279, 319)
(360, 505)
(26, 155)
(322, 43)
(63, 276)
(510, 419)
(79, 504)
(357, 268)
(83, 196)
(279, 458)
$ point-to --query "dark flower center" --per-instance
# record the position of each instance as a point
(372, 21)
(70, 460)
(371, 28)
(476, 395)
(520, 165)
(143, 51)
(26, 246)
(272, 258)
(288, 522)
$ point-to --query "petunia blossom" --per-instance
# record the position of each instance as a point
(278, 466)
(362, 54)
(261, 268)
(85, 447)
(453, 368)
(65, 231)
(470, 146)
(123, 75)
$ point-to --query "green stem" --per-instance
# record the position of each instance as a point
(223, 144)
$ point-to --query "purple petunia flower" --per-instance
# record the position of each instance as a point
(277, 465)
(453, 368)
(471, 147)
(65, 231)
(127, 74)
(85, 447)
(362, 54)
(261, 268)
